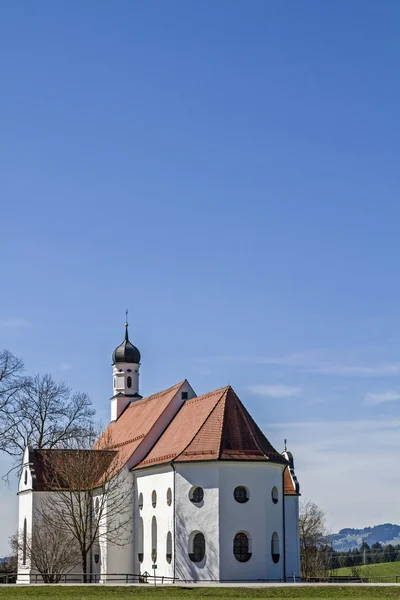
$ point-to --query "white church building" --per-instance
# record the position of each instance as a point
(212, 496)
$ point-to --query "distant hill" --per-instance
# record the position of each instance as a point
(5, 560)
(353, 538)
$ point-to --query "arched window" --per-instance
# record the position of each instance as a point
(275, 495)
(169, 497)
(154, 498)
(169, 547)
(241, 546)
(241, 494)
(97, 503)
(197, 547)
(24, 542)
(26, 477)
(140, 540)
(140, 501)
(275, 552)
(196, 495)
(129, 381)
(154, 539)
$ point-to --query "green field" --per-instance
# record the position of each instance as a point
(380, 570)
(191, 593)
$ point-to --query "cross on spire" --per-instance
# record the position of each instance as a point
(126, 324)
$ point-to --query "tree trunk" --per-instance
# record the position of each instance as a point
(84, 566)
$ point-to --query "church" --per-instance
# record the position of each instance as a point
(213, 499)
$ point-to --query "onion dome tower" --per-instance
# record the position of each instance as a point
(126, 364)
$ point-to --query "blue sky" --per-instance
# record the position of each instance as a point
(228, 171)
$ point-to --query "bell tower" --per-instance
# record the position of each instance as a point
(126, 364)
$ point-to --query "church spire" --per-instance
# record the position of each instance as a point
(126, 363)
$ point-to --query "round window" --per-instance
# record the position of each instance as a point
(196, 495)
(241, 494)
(275, 495)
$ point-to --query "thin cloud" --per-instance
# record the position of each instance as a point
(279, 390)
(359, 371)
(334, 463)
(15, 322)
(317, 361)
(65, 366)
(379, 398)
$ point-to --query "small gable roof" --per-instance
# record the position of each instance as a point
(48, 468)
(215, 426)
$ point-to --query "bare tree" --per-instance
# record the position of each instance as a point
(91, 497)
(50, 551)
(313, 540)
(41, 411)
(11, 379)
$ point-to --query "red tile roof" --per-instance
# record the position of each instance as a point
(215, 426)
(288, 485)
(135, 423)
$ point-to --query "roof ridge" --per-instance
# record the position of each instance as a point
(207, 395)
(157, 394)
(224, 393)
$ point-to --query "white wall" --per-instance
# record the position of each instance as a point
(260, 517)
(118, 558)
(292, 536)
(25, 511)
(204, 518)
(158, 479)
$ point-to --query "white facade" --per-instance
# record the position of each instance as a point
(219, 517)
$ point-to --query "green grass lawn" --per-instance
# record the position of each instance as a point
(188, 593)
(387, 570)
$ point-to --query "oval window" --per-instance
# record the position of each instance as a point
(169, 547)
(241, 494)
(241, 547)
(140, 540)
(169, 497)
(129, 381)
(275, 552)
(275, 495)
(196, 495)
(154, 499)
(154, 539)
(197, 548)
